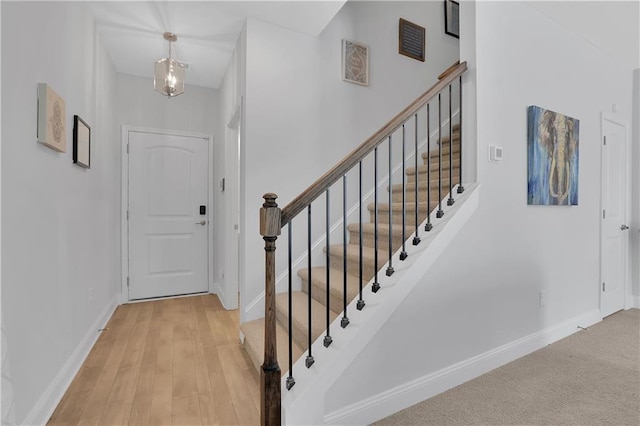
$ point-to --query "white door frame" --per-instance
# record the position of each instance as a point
(124, 228)
(628, 302)
(232, 170)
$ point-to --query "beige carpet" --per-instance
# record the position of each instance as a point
(589, 378)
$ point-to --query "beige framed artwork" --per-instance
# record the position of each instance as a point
(52, 130)
(355, 62)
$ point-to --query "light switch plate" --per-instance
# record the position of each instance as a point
(495, 153)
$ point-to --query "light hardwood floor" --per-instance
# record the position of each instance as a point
(166, 362)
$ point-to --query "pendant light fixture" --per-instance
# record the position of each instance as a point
(169, 73)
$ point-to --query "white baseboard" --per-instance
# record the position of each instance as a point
(410, 393)
(51, 397)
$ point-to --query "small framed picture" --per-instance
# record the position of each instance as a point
(452, 18)
(81, 142)
(355, 62)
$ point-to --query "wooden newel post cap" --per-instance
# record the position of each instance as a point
(270, 216)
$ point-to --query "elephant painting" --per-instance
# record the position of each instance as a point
(553, 158)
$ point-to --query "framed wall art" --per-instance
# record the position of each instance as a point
(81, 142)
(411, 40)
(51, 119)
(452, 18)
(552, 163)
(355, 62)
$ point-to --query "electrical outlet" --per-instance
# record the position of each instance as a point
(543, 298)
(90, 294)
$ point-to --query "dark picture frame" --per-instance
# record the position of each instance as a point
(411, 40)
(81, 142)
(452, 18)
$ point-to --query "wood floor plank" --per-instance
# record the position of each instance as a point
(166, 362)
(222, 397)
(141, 405)
(242, 402)
(99, 397)
(186, 411)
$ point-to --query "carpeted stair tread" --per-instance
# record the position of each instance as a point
(422, 185)
(422, 169)
(300, 320)
(354, 254)
(435, 152)
(253, 332)
(368, 233)
(319, 286)
(353, 259)
(383, 208)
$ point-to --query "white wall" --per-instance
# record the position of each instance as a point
(227, 164)
(194, 111)
(60, 272)
(302, 118)
(484, 292)
(635, 191)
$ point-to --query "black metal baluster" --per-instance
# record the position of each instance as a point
(309, 360)
(450, 201)
(428, 226)
(416, 238)
(327, 337)
(390, 267)
(460, 187)
(290, 380)
(360, 303)
(345, 319)
(440, 212)
(376, 285)
(403, 253)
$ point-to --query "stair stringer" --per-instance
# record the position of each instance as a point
(304, 403)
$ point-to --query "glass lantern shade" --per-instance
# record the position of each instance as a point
(169, 77)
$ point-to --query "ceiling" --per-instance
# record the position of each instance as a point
(207, 31)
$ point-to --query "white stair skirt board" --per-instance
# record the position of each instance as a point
(300, 404)
(52, 396)
(389, 402)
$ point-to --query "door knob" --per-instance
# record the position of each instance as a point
(202, 222)
(623, 227)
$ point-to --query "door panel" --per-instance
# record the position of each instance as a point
(168, 238)
(614, 203)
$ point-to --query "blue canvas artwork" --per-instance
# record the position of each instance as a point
(552, 158)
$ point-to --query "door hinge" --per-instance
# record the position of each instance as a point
(128, 282)
(127, 214)
(605, 140)
(127, 148)
(604, 214)
(603, 287)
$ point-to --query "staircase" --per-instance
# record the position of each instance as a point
(294, 320)
(426, 176)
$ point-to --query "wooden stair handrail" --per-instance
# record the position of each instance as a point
(318, 187)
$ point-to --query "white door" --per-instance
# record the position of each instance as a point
(615, 234)
(168, 231)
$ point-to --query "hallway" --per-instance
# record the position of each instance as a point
(174, 361)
